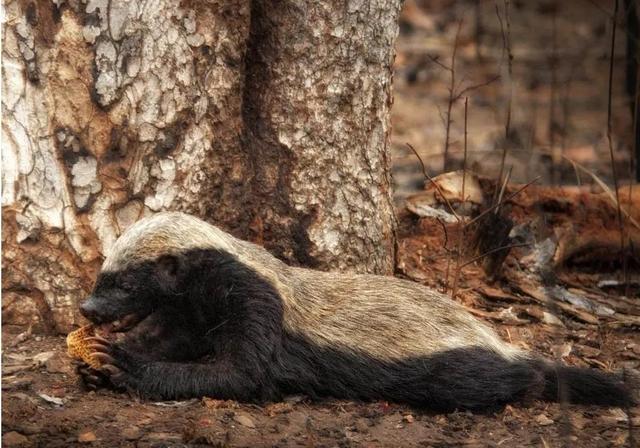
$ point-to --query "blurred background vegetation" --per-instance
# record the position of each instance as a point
(544, 63)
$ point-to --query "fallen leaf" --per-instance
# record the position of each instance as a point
(50, 399)
(87, 437)
(175, 403)
(551, 319)
(278, 408)
(244, 420)
(543, 420)
(212, 403)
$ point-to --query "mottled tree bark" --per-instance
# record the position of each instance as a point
(268, 119)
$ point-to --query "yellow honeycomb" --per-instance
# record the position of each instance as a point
(78, 347)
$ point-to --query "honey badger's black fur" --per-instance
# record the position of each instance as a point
(211, 325)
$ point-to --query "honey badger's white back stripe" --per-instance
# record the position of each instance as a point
(384, 317)
(163, 233)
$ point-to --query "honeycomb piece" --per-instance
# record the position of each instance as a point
(78, 346)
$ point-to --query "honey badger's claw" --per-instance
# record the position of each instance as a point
(103, 358)
(99, 362)
(116, 375)
(110, 370)
(100, 348)
(92, 380)
(97, 340)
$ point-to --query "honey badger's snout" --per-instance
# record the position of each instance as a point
(91, 310)
(114, 307)
(101, 310)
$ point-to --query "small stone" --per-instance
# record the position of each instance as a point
(30, 429)
(164, 437)
(244, 420)
(295, 399)
(14, 438)
(562, 350)
(87, 437)
(41, 358)
(543, 420)
(23, 336)
(408, 418)
(131, 433)
(59, 364)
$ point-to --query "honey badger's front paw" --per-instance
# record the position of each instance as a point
(120, 368)
(91, 378)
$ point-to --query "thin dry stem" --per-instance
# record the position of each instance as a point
(506, 47)
(498, 204)
(452, 99)
(464, 161)
(494, 250)
(609, 136)
(461, 232)
(555, 158)
(503, 188)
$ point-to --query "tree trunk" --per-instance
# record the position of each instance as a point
(269, 120)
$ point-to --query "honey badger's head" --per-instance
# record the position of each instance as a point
(147, 268)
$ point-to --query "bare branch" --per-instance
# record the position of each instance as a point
(498, 204)
(476, 86)
(436, 61)
(494, 250)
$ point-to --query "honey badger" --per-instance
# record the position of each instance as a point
(201, 313)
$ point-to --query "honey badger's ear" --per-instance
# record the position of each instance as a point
(168, 267)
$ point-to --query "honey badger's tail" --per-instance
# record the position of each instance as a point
(479, 379)
(585, 386)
